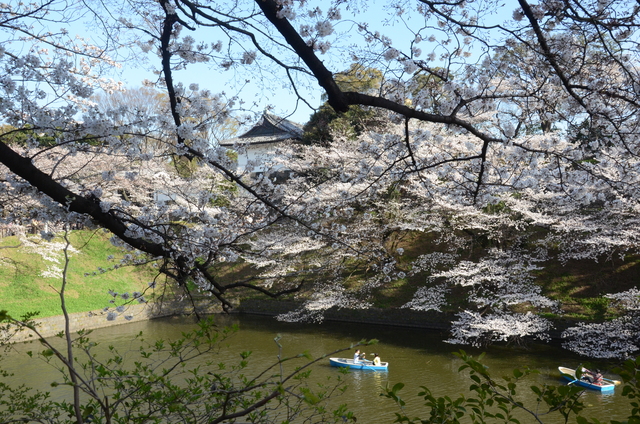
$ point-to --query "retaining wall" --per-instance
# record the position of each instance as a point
(397, 317)
(51, 326)
(394, 317)
(430, 320)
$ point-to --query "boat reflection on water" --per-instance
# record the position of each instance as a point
(417, 358)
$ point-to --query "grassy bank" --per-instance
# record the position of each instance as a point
(30, 274)
(29, 283)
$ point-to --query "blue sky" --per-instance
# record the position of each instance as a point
(248, 84)
(260, 88)
(280, 99)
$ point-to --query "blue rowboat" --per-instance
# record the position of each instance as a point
(570, 374)
(360, 365)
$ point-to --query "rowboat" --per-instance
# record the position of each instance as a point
(570, 374)
(360, 365)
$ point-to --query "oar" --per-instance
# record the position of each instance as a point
(372, 367)
(369, 366)
(574, 376)
(615, 382)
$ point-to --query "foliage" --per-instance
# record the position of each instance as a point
(428, 85)
(24, 136)
(629, 371)
(360, 79)
(497, 400)
(326, 124)
(621, 333)
(169, 381)
(33, 266)
(161, 380)
(511, 139)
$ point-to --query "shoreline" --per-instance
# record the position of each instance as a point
(428, 320)
(396, 317)
(91, 320)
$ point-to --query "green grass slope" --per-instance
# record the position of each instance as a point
(28, 285)
(29, 281)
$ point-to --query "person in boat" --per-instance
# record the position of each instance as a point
(357, 356)
(376, 360)
(597, 378)
(593, 377)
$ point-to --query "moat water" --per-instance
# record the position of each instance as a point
(416, 358)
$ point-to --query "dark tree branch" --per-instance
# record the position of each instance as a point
(336, 97)
(74, 202)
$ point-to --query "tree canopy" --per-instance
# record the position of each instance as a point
(521, 128)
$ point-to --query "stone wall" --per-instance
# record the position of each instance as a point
(430, 320)
(50, 326)
(396, 316)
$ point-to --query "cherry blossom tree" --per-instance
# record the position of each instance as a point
(611, 339)
(530, 141)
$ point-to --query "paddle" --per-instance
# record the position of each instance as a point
(367, 364)
(615, 382)
(363, 365)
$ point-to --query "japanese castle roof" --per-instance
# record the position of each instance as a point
(269, 129)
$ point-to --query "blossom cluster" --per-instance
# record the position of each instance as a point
(528, 152)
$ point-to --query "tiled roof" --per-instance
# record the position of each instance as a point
(269, 129)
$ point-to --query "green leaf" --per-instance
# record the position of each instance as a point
(397, 387)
